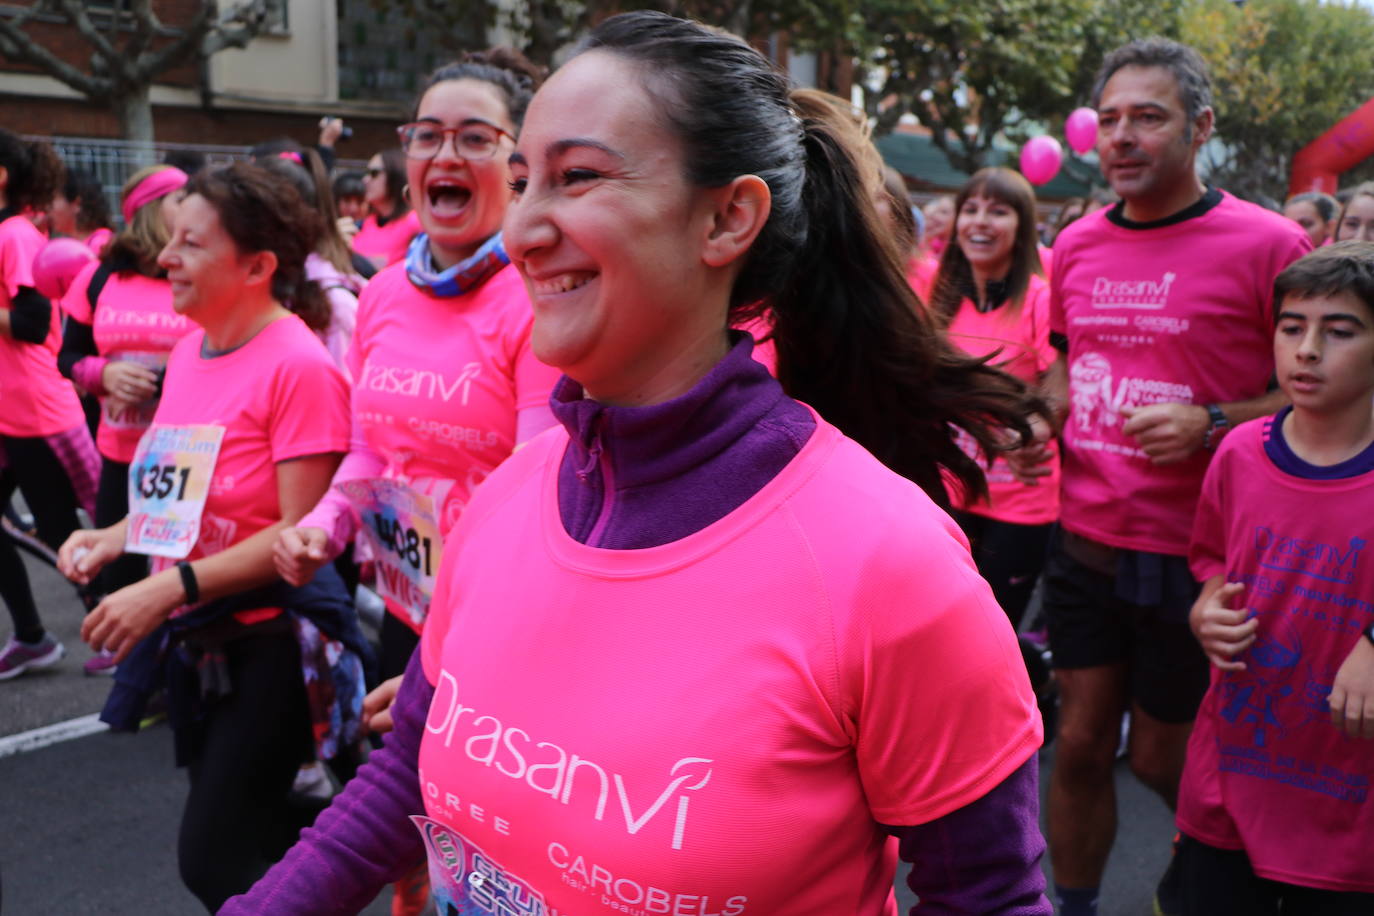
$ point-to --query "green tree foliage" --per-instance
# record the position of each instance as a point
(972, 72)
(1283, 72)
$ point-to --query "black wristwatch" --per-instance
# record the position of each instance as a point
(1369, 632)
(1217, 427)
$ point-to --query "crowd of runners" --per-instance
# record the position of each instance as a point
(707, 486)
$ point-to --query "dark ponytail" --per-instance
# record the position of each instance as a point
(263, 211)
(852, 339)
(855, 343)
(35, 172)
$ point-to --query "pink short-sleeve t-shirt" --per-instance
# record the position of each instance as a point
(1174, 314)
(98, 239)
(278, 397)
(687, 728)
(1021, 340)
(35, 400)
(134, 321)
(438, 381)
(389, 241)
(1267, 772)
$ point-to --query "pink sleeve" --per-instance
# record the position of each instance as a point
(1300, 246)
(1056, 303)
(1039, 304)
(334, 513)
(89, 373)
(16, 258)
(338, 339)
(309, 411)
(1207, 549)
(76, 303)
(933, 679)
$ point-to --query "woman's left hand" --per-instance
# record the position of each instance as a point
(126, 616)
(1032, 461)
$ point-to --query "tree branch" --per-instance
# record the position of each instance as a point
(151, 63)
(16, 45)
(251, 16)
(148, 28)
(76, 12)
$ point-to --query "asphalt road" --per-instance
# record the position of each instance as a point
(88, 826)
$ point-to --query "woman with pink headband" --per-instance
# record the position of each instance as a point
(45, 447)
(120, 328)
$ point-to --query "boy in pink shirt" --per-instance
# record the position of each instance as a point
(1274, 806)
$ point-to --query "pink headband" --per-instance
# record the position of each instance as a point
(159, 184)
(293, 156)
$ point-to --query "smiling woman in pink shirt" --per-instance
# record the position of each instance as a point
(390, 224)
(251, 425)
(698, 651)
(120, 328)
(992, 295)
(444, 382)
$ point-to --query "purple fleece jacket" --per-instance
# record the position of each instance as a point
(634, 478)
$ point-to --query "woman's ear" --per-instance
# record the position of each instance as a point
(261, 266)
(738, 213)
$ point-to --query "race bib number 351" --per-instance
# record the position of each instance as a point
(169, 481)
(404, 532)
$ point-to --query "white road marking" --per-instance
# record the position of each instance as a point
(32, 740)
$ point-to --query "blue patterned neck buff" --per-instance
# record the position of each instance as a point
(463, 277)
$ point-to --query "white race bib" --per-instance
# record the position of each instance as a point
(169, 481)
(403, 530)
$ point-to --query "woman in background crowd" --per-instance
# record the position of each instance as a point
(995, 302)
(79, 210)
(331, 263)
(1357, 216)
(390, 224)
(120, 328)
(46, 450)
(1315, 212)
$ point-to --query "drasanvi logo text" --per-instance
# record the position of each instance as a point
(568, 778)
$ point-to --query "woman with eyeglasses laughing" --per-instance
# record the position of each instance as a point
(445, 384)
(390, 224)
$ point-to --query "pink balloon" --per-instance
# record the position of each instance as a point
(1081, 129)
(1040, 159)
(57, 264)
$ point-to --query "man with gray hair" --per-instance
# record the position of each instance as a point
(1160, 306)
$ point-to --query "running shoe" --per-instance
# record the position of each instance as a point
(313, 780)
(18, 657)
(101, 663)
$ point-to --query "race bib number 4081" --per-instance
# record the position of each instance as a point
(403, 529)
(169, 481)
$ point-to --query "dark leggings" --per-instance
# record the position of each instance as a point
(1009, 556)
(398, 644)
(111, 506)
(239, 819)
(34, 469)
(1221, 882)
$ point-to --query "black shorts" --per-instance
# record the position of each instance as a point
(1090, 624)
(1221, 882)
